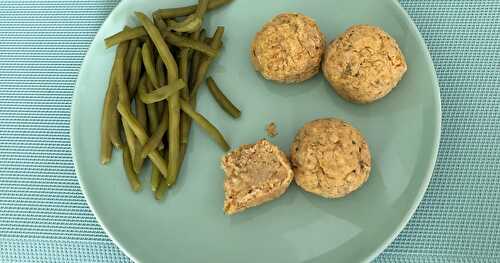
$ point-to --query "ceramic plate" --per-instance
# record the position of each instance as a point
(189, 226)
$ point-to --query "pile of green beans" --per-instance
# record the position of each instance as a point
(151, 95)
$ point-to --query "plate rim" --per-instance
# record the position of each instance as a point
(418, 198)
(437, 140)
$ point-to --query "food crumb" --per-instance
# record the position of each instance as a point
(271, 129)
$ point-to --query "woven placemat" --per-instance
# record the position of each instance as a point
(43, 214)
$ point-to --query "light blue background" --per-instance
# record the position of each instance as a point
(44, 217)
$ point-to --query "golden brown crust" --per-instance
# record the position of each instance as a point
(363, 64)
(288, 49)
(330, 158)
(254, 174)
(271, 129)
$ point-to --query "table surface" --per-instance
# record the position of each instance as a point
(44, 216)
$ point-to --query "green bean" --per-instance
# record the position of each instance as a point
(210, 129)
(120, 77)
(157, 111)
(133, 44)
(216, 40)
(209, 39)
(162, 79)
(161, 46)
(166, 150)
(184, 58)
(125, 35)
(106, 145)
(125, 53)
(114, 128)
(160, 23)
(205, 63)
(189, 24)
(173, 39)
(173, 138)
(181, 41)
(162, 189)
(155, 178)
(163, 186)
(128, 118)
(123, 95)
(160, 72)
(132, 177)
(222, 100)
(154, 53)
(110, 100)
(187, 10)
(140, 111)
(173, 103)
(122, 52)
(163, 92)
(138, 161)
(152, 110)
(202, 7)
(160, 107)
(114, 116)
(140, 133)
(195, 61)
(147, 58)
(185, 120)
(142, 87)
(130, 138)
(129, 60)
(185, 128)
(192, 22)
(155, 140)
(182, 153)
(163, 85)
(135, 72)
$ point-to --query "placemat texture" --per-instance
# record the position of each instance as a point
(43, 214)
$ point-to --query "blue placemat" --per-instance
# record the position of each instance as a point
(44, 217)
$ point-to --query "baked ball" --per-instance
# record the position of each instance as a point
(254, 174)
(330, 158)
(363, 64)
(288, 49)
